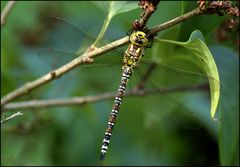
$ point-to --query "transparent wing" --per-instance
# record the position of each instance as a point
(55, 58)
(164, 75)
(64, 41)
(105, 71)
(163, 88)
(68, 37)
(69, 40)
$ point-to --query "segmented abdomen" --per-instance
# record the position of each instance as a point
(131, 58)
(126, 74)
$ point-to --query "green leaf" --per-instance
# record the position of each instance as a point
(162, 15)
(228, 62)
(111, 9)
(102, 5)
(117, 7)
(166, 11)
(201, 55)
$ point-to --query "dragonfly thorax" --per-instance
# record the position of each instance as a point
(135, 49)
(132, 55)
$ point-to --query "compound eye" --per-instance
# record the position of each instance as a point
(140, 42)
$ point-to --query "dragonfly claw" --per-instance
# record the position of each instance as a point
(88, 60)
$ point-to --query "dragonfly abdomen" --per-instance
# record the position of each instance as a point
(126, 74)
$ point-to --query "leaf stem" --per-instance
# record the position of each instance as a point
(103, 30)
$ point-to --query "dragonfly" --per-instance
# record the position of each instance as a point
(131, 58)
(132, 61)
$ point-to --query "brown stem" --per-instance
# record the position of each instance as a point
(149, 6)
(38, 104)
(6, 11)
(174, 21)
(11, 117)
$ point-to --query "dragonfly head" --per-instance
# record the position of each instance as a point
(139, 38)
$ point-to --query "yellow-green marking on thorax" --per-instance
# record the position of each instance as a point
(135, 49)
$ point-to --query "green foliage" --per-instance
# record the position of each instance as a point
(111, 9)
(228, 63)
(73, 135)
(201, 56)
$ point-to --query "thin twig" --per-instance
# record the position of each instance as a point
(174, 21)
(149, 7)
(6, 11)
(39, 104)
(11, 117)
(85, 58)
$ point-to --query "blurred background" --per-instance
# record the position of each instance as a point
(73, 135)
